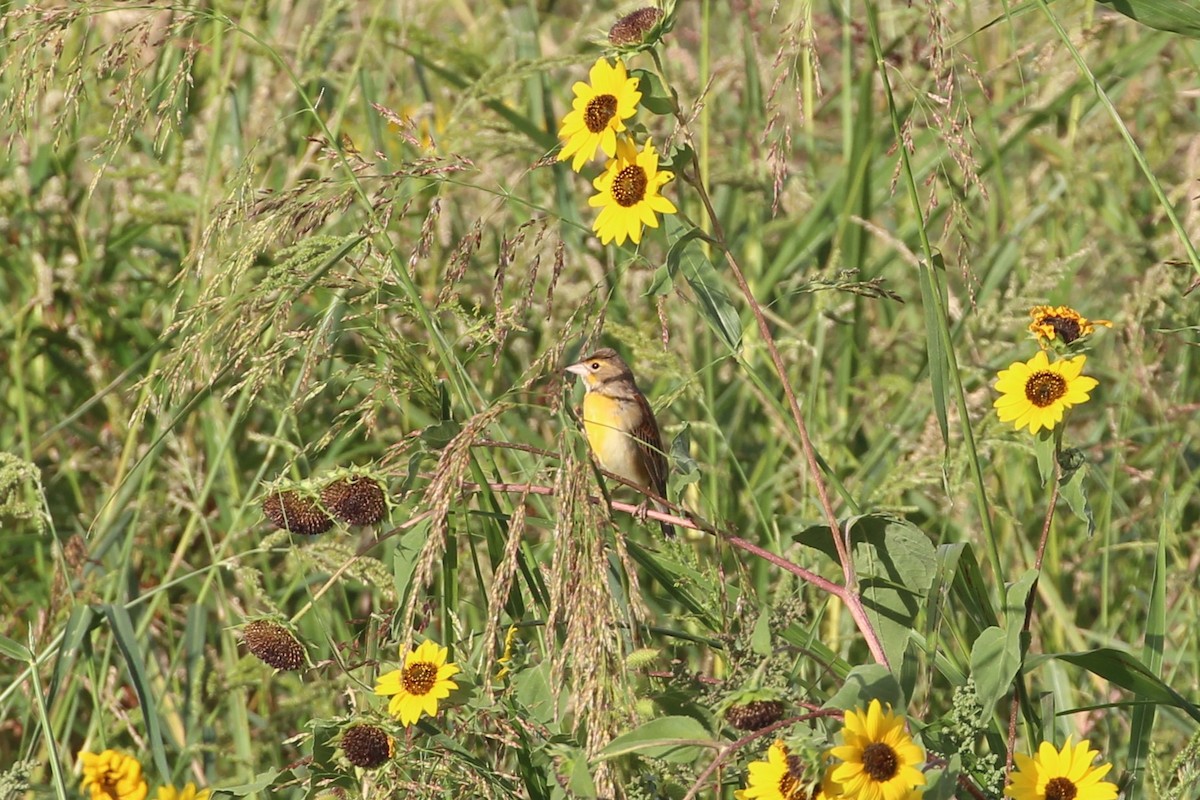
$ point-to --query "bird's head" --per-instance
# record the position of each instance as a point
(600, 367)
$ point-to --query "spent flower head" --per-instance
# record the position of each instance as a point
(1061, 324)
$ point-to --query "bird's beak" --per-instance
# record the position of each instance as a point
(579, 369)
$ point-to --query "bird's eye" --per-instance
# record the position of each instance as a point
(595, 365)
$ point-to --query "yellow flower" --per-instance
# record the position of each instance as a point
(188, 793)
(1065, 774)
(1035, 393)
(417, 687)
(1061, 322)
(598, 112)
(879, 759)
(629, 194)
(506, 659)
(113, 776)
(777, 778)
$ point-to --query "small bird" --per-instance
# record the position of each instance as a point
(620, 424)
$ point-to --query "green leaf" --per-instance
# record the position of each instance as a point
(126, 639)
(994, 664)
(896, 564)
(760, 639)
(864, 684)
(656, 97)
(1173, 16)
(712, 300)
(261, 781)
(1071, 488)
(940, 784)
(1142, 721)
(1126, 671)
(1044, 449)
(670, 738)
(939, 364)
(686, 469)
(14, 650)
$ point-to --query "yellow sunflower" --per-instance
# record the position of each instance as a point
(629, 193)
(1036, 393)
(780, 777)
(188, 792)
(417, 687)
(598, 112)
(1066, 774)
(1062, 323)
(879, 759)
(113, 776)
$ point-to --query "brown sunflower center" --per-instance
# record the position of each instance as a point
(600, 109)
(790, 785)
(1044, 387)
(1066, 328)
(419, 678)
(108, 784)
(629, 187)
(1061, 789)
(880, 762)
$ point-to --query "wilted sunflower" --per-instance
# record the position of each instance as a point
(417, 687)
(629, 194)
(1062, 323)
(598, 112)
(1036, 393)
(1066, 774)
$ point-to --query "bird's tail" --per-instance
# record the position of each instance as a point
(667, 528)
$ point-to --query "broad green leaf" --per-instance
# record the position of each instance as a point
(656, 97)
(1044, 449)
(262, 780)
(864, 684)
(941, 784)
(993, 666)
(1173, 16)
(670, 738)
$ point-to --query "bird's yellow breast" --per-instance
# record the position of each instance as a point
(608, 421)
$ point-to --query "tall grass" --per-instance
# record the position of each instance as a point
(248, 246)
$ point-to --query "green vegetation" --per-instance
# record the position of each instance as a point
(254, 257)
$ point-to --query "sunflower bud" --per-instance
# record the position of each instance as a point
(367, 746)
(355, 500)
(755, 715)
(295, 512)
(273, 644)
(633, 28)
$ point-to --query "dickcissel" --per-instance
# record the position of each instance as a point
(620, 424)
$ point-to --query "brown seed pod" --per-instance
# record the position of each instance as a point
(755, 715)
(367, 746)
(294, 512)
(632, 28)
(355, 500)
(273, 644)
